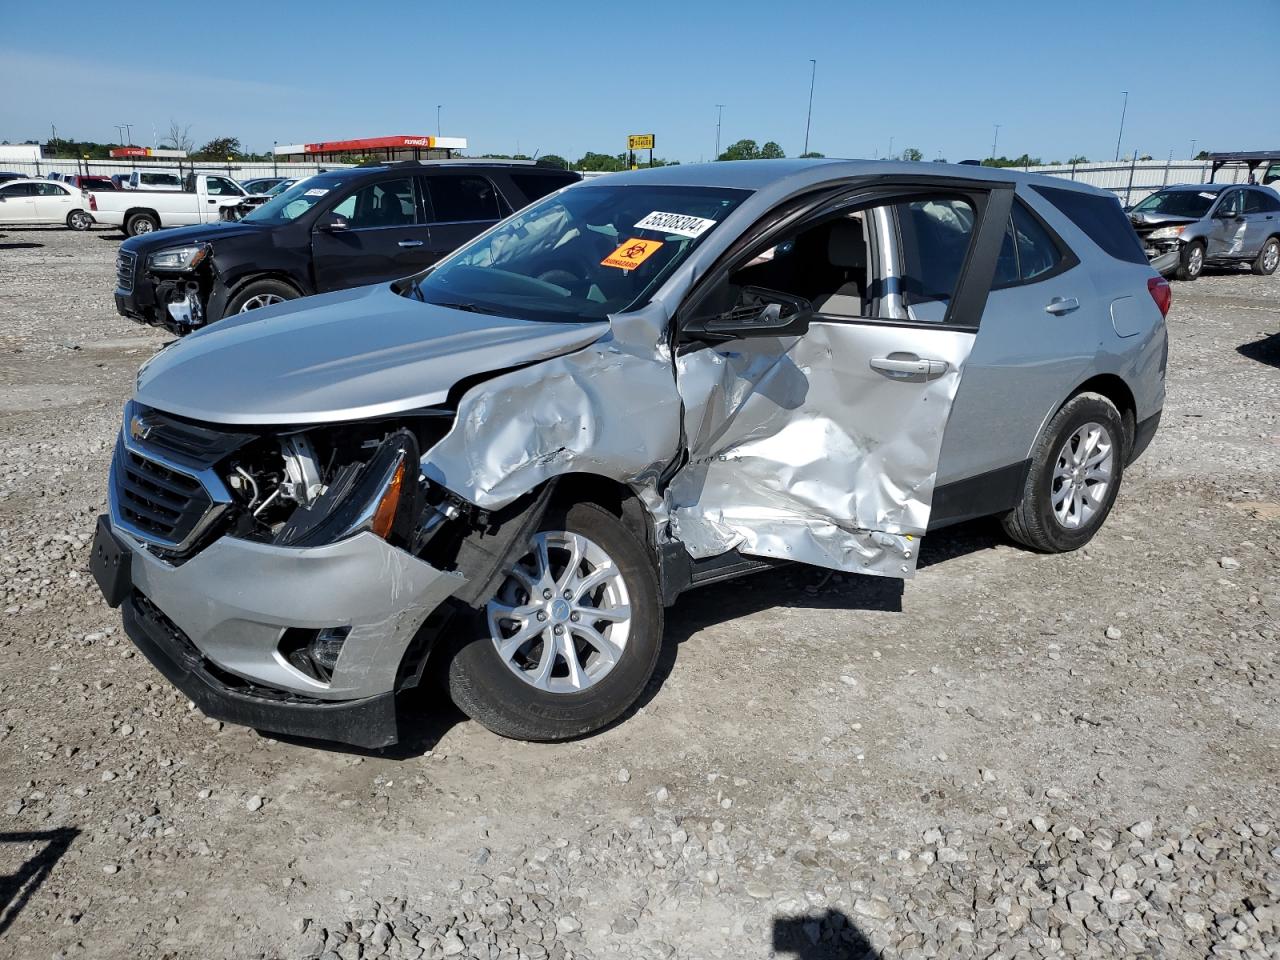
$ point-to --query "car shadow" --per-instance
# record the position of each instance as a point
(960, 540)
(829, 936)
(16, 888)
(1266, 350)
(20, 246)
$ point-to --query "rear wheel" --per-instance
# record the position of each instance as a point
(570, 638)
(258, 294)
(79, 220)
(141, 223)
(1268, 258)
(1191, 261)
(1075, 474)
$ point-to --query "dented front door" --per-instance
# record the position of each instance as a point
(823, 448)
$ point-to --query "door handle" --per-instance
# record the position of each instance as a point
(908, 366)
(1059, 306)
(410, 243)
(211, 201)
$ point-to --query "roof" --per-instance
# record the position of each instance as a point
(757, 175)
(1201, 187)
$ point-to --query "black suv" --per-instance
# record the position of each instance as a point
(335, 230)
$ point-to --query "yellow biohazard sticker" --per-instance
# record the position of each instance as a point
(631, 254)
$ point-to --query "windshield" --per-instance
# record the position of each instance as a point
(298, 199)
(1179, 203)
(579, 255)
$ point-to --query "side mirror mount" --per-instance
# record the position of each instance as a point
(759, 312)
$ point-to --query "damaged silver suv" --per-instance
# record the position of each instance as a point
(511, 463)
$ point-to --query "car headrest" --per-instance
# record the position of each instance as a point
(846, 246)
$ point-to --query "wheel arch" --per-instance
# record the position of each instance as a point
(134, 211)
(1114, 388)
(613, 495)
(280, 276)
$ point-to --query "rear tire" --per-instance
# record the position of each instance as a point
(79, 221)
(1076, 469)
(1268, 258)
(512, 694)
(1190, 261)
(260, 293)
(141, 223)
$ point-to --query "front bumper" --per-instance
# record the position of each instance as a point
(232, 603)
(1163, 255)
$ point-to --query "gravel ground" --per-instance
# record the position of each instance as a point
(1013, 756)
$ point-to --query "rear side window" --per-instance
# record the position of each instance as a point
(1259, 201)
(535, 186)
(386, 203)
(1101, 218)
(935, 240)
(462, 197)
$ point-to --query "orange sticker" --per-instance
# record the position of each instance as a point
(631, 254)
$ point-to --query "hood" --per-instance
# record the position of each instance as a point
(1141, 219)
(179, 236)
(349, 355)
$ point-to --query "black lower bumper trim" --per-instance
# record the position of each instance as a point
(1143, 435)
(370, 722)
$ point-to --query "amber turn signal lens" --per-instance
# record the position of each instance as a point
(385, 515)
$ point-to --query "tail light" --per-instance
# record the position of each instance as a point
(1161, 293)
(93, 203)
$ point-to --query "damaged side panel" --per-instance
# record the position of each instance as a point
(799, 449)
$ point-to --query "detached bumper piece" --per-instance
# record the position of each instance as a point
(370, 722)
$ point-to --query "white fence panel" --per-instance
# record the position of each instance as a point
(239, 170)
(1131, 181)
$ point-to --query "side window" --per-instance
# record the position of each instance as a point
(387, 203)
(50, 190)
(1100, 218)
(19, 190)
(1007, 263)
(1256, 201)
(535, 186)
(1038, 254)
(462, 197)
(1229, 205)
(221, 187)
(935, 237)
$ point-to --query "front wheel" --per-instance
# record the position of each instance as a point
(259, 294)
(1075, 474)
(570, 638)
(1268, 258)
(1191, 261)
(79, 221)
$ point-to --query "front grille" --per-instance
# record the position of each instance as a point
(192, 443)
(125, 263)
(162, 505)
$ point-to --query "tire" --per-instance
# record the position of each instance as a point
(260, 293)
(1190, 261)
(1035, 522)
(79, 221)
(504, 694)
(141, 223)
(1268, 258)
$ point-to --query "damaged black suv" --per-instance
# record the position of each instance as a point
(329, 232)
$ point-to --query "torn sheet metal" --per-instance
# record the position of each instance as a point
(799, 450)
(609, 409)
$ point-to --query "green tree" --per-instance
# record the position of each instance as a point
(591, 161)
(750, 150)
(554, 159)
(1080, 159)
(771, 151)
(812, 155)
(1202, 155)
(219, 148)
(911, 153)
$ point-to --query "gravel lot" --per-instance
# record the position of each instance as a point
(1013, 756)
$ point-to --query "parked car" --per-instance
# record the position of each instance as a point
(6, 175)
(155, 180)
(139, 212)
(635, 386)
(262, 185)
(1183, 228)
(81, 181)
(43, 201)
(330, 232)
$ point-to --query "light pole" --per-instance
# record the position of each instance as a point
(437, 119)
(1123, 110)
(813, 75)
(890, 157)
(719, 114)
(275, 159)
(128, 133)
(119, 132)
(1193, 149)
(995, 138)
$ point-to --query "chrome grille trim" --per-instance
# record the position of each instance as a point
(126, 261)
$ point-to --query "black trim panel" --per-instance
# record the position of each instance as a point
(1143, 435)
(988, 493)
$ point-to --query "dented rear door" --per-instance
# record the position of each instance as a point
(823, 447)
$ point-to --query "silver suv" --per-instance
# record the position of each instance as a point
(636, 386)
(1183, 228)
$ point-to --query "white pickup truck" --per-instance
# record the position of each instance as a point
(201, 200)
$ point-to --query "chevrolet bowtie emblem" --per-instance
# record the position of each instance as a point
(139, 429)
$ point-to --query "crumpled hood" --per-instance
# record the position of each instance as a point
(348, 355)
(1141, 219)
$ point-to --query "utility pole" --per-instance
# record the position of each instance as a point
(719, 114)
(1193, 149)
(890, 156)
(119, 132)
(1124, 109)
(995, 138)
(437, 119)
(128, 133)
(813, 75)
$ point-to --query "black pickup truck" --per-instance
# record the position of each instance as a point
(335, 230)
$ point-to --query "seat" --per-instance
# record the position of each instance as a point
(847, 253)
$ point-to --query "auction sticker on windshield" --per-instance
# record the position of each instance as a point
(680, 224)
(631, 254)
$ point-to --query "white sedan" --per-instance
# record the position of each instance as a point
(43, 201)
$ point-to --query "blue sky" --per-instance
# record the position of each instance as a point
(569, 77)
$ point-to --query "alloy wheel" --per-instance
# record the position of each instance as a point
(1195, 261)
(1082, 475)
(260, 300)
(561, 619)
(1271, 257)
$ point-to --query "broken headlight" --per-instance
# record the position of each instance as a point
(1167, 233)
(178, 259)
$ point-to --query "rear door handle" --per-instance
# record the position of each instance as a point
(1059, 306)
(410, 243)
(908, 366)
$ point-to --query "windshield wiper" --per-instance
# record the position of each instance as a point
(468, 307)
